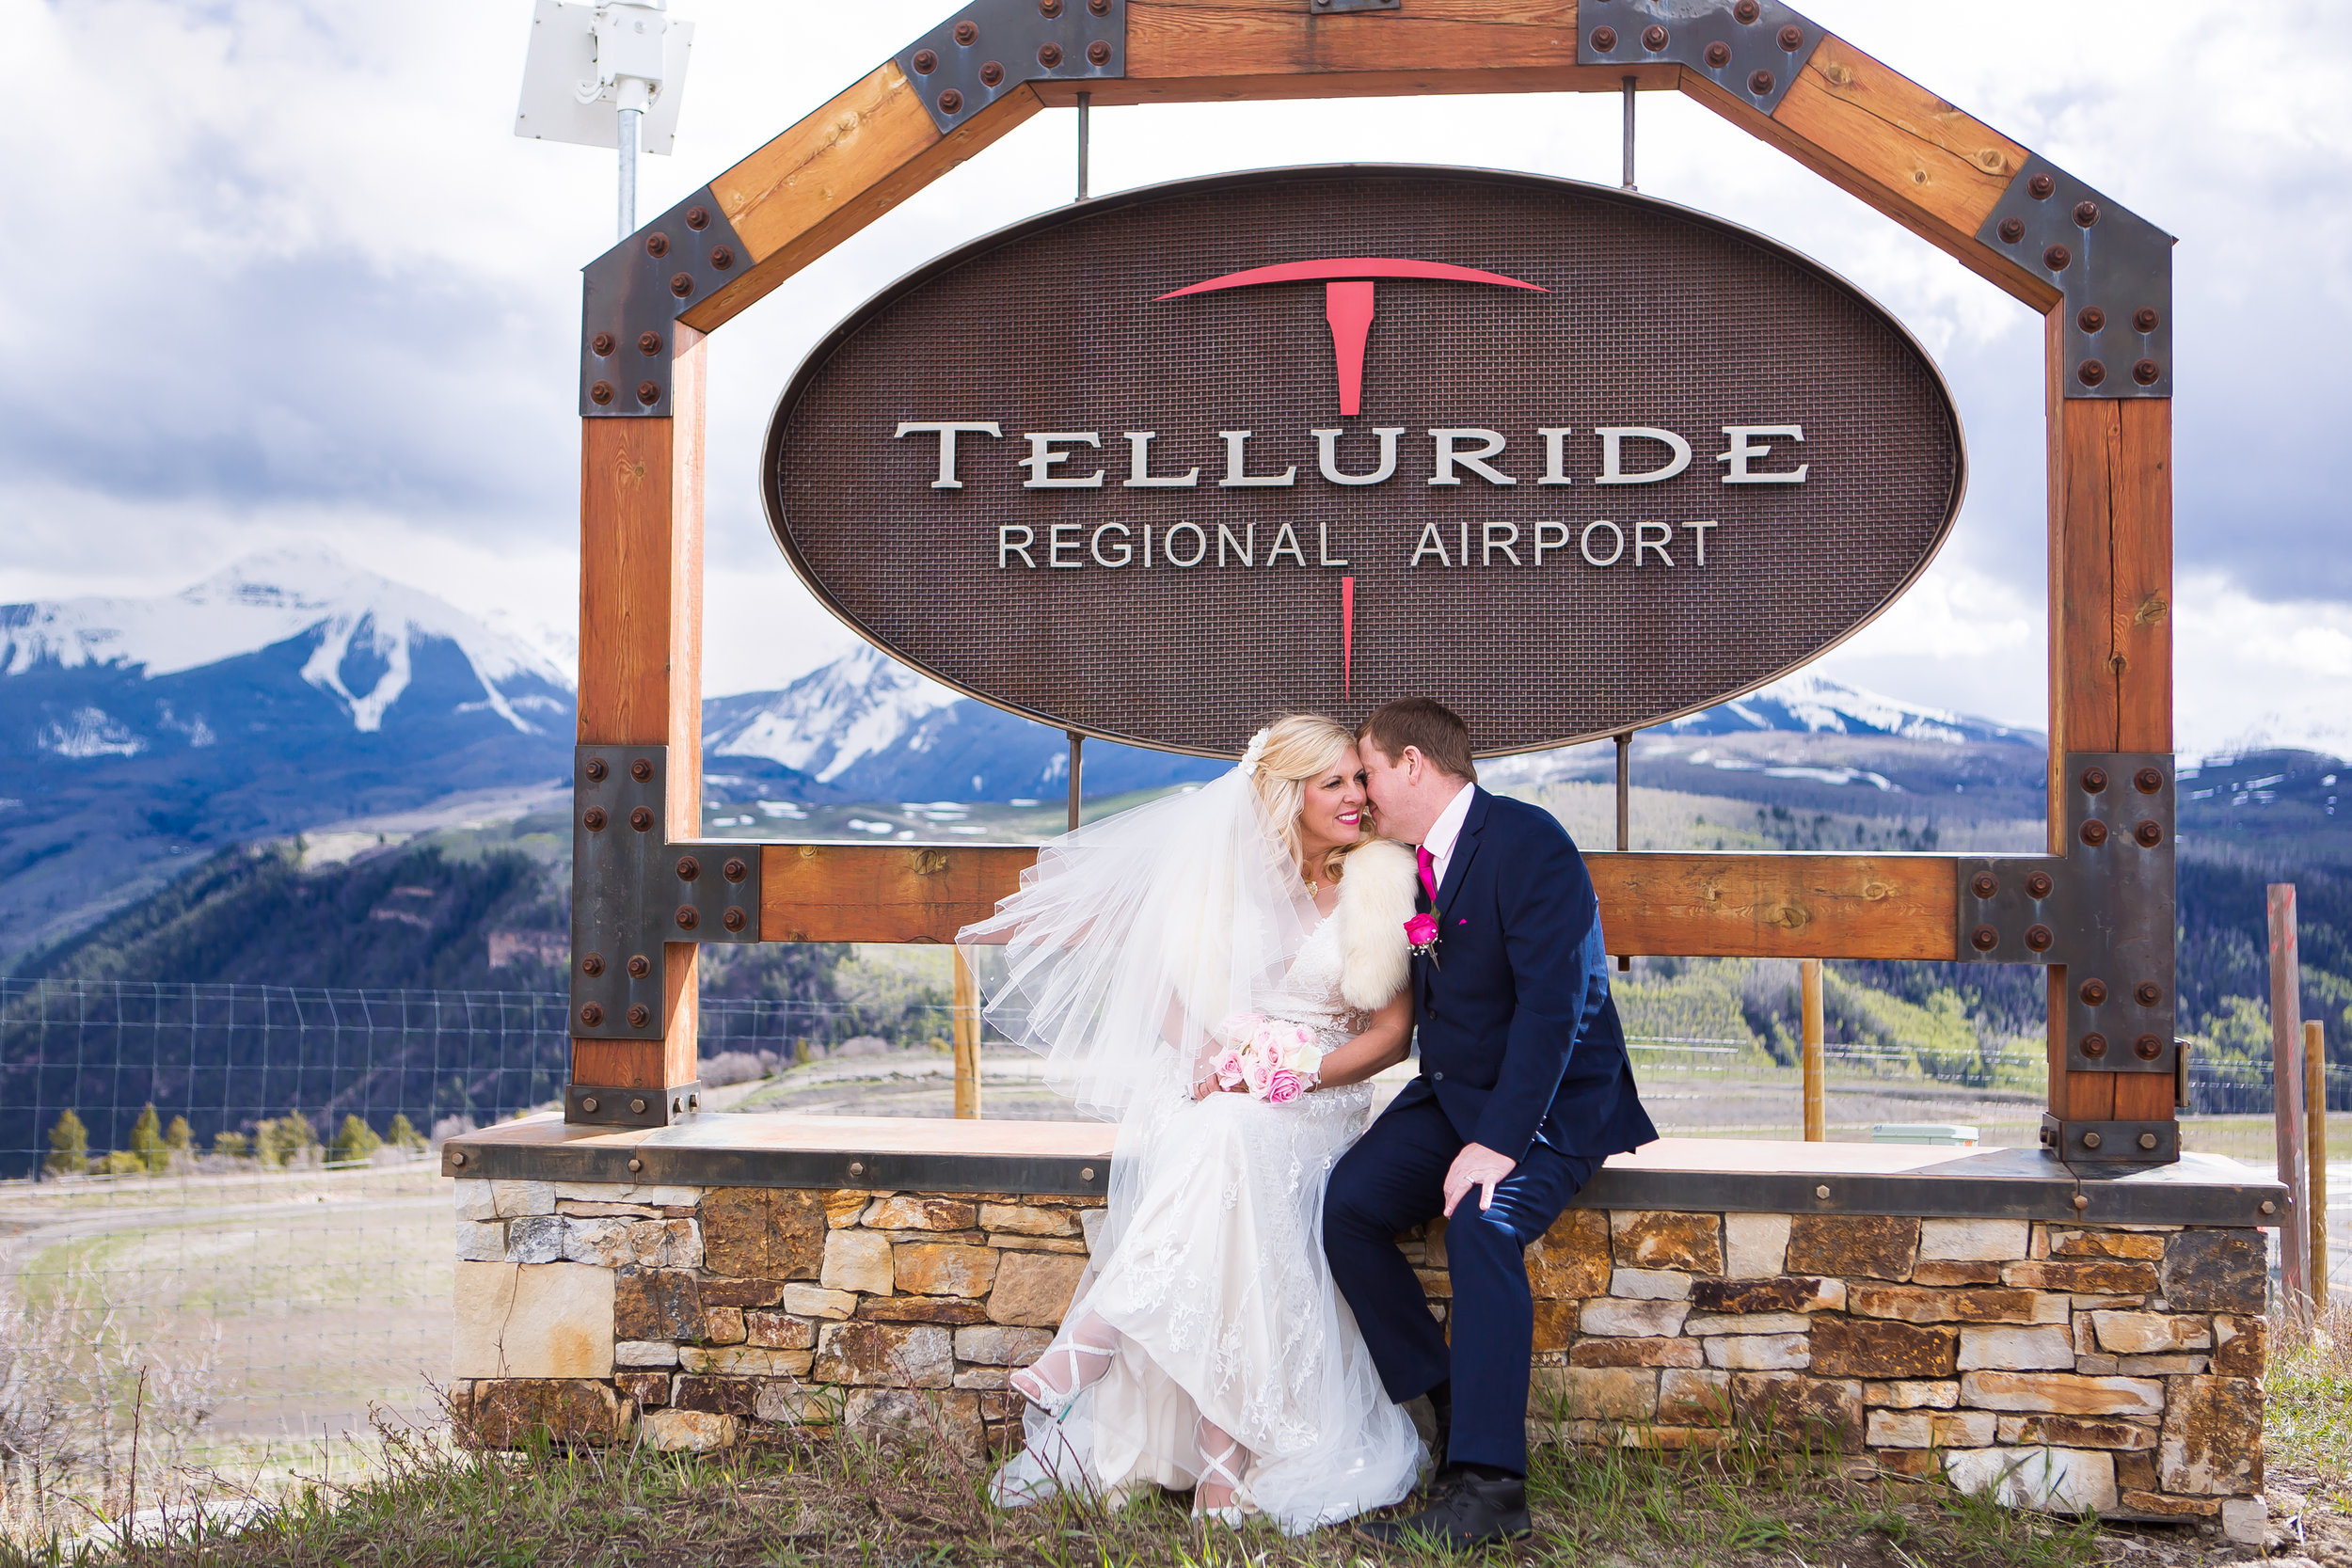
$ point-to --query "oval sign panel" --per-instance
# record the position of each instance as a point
(1157, 466)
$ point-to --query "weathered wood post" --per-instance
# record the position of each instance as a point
(2286, 1098)
(1816, 1089)
(967, 1031)
(2315, 1117)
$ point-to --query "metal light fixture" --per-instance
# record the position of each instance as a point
(606, 76)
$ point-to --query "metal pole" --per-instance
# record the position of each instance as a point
(631, 128)
(2316, 1113)
(1628, 181)
(1625, 815)
(967, 1033)
(1077, 761)
(1085, 106)
(1816, 1089)
(2286, 1097)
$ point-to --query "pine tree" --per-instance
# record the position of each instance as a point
(179, 1137)
(354, 1142)
(146, 1140)
(286, 1140)
(69, 1148)
(404, 1134)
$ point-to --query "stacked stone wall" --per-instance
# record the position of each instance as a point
(2063, 1366)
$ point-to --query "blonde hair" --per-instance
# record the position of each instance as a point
(1299, 746)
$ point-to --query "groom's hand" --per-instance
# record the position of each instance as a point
(1476, 1166)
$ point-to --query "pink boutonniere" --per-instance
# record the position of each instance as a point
(1422, 933)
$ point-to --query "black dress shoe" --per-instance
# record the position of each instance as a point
(1466, 1510)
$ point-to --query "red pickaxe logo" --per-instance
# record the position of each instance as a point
(1347, 300)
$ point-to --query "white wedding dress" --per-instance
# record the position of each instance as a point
(1224, 1307)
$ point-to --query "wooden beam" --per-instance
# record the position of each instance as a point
(641, 582)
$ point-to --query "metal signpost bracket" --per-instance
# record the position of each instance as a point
(635, 293)
(2112, 1143)
(634, 892)
(2106, 910)
(1752, 49)
(2113, 266)
(991, 47)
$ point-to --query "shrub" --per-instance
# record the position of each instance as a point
(353, 1143)
(146, 1140)
(69, 1148)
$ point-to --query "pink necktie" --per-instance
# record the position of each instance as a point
(1428, 873)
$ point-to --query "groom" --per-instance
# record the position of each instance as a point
(1524, 1089)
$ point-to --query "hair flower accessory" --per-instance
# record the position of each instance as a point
(1250, 758)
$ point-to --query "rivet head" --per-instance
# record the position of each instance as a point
(2012, 230)
(2147, 1140)
(698, 218)
(925, 62)
(601, 393)
(592, 965)
(2092, 318)
(639, 1016)
(2057, 257)
(649, 392)
(722, 257)
(681, 284)
(687, 917)
(967, 34)
(458, 1158)
(589, 1104)
(2095, 780)
(1791, 37)
(733, 920)
(2147, 781)
(640, 819)
(602, 343)
(1049, 55)
(639, 966)
(1984, 886)
(951, 103)
(2092, 1140)
(657, 245)
(688, 868)
(2148, 833)
(992, 74)
(637, 1107)
(1821, 1192)
(2094, 1046)
(735, 870)
(649, 342)
(2268, 1206)
(1098, 53)
(2144, 319)
(2039, 938)
(2094, 833)
(2146, 371)
(2039, 188)
(1761, 83)
(2149, 993)
(2086, 214)
(1984, 939)
(635, 1165)
(2038, 885)
(1604, 40)
(1653, 37)
(590, 1015)
(593, 819)
(1746, 12)
(2147, 1048)
(1718, 54)
(2094, 993)
(2081, 1202)
(641, 769)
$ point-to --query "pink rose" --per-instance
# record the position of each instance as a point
(1253, 1072)
(1283, 1085)
(1227, 1068)
(1422, 931)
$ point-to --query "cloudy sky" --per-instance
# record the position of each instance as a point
(282, 274)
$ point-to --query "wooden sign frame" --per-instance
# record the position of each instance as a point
(2091, 268)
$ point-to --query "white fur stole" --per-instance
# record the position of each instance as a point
(1375, 901)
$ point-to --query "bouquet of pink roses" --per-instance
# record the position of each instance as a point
(1273, 1058)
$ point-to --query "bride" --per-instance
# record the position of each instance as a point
(1206, 1348)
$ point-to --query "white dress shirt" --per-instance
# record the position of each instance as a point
(1438, 841)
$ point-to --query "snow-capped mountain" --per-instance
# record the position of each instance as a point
(1815, 705)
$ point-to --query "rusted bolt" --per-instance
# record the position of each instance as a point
(992, 75)
(2148, 1048)
(1761, 83)
(2147, 1140)
(686, 917)
(601, 344)
(2091, 319)
(657, 245)
(1821, 1193)
(857, 1167)
(2039, 188)
(2094, 1046)
(721, 257)
(2094, 993)
(2144, 319)
(639, 1016)
(458, 1158)
(736, 869)
(639, 966)
(967, 34)
(1746, 12)
(2150, 833)
(2056, 258)
(640, 819)
(1653, 37)
(2038, 885)
(2149, 993)
(641, 769)
(649, 342)
(595, 770)
(1098, 53)
(2086, 214)
(2012, 230)
(590, 1015)
(1086, 1173)
(925, 62)
(698, 218)
(732, 919)
(1604, 40)
(649, 392)
(1984, 884)
(2037, 938)
(2095, 780)
(1100, 7)
(636, 1164)
(2145, 372)
(593, 819)
(2081, 1202)
(1049, 55)
(1049, 8)
(592, 965)
(2090, 373)
(2147, 781)
(601, 393)
(951, 103)
(588, 1103)
(2094, 833)
(1984, 939)
(2091, 1140)
(2268, 1206)
(1718, 54)
(1790, 37)
(681, 284)
(637, 1107)
(688, 868)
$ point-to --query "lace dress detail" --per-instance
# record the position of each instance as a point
(1225, 1308)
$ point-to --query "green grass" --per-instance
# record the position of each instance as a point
(2307, 1419)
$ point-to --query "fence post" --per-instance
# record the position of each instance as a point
(2316, 1118)
(2286, 1097)
(1816, 1091)
(966, 1020)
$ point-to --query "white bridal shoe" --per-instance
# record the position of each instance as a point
(1032, 1384)
(1217, 1467)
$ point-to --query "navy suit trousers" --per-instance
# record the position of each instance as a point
(1392, 1179)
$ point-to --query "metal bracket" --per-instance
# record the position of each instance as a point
(633, 892)
(2113, 266)
(598, 1105)
(2133, 1143)
(635, 293)
(2105, 910)
(1752, 49)
(991, 47)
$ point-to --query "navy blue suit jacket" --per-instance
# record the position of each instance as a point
(1519, 1034)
